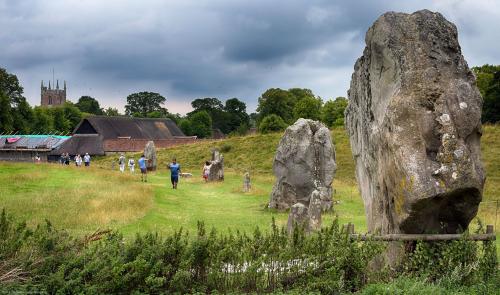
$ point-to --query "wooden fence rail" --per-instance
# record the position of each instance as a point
(488, 236)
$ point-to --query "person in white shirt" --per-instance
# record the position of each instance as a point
(131, 165)
(206, 170)
(121, 163)
(86, 159)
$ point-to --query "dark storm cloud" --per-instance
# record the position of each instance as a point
(187, 49)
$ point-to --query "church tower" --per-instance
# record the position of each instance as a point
(53, 97)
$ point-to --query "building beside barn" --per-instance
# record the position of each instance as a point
(24, 148)
(101, 135)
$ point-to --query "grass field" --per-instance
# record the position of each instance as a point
(82, 200)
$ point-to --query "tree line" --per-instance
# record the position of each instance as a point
(277, 108)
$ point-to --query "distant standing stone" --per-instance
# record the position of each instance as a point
(216, 172)
(314, 211)
(298, 217)
(246, 182)
(150, 154)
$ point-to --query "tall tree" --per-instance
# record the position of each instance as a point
(491, 104)
(201, 124)
(89, 105)
(333, 112)
(236, 115)
(308, 107)
(144, 104)
(215, 109)
(23, 116)
(72, 114)
(43, 121)
(6, 120)
(15, 112)
(276, 101)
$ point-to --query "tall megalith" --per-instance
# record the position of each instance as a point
(150, 154)
(304, 162)
(216, 170)
(414, 121)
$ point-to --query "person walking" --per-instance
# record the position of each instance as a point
(131, 165)
(175, 170)
(86, 159)
(78, 160)
(206, 170)
(144, 169)
(121, 163)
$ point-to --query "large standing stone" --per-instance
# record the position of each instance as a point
(216, 171)
(414, 124)
(150, 154)
(304, 162)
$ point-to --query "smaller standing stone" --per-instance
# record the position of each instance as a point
(216, 172)
(314, 211)
(298, 217)
(246, 182)
(150, 154)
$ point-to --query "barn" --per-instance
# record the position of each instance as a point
(101, 135)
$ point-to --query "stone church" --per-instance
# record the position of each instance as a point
(53, 97)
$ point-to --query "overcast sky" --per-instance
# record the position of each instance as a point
(190, 49)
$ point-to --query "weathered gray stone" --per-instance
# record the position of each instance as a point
(314, 211)
(304, 162)
(298, 217)
(216, 171)
(414, 124)
(150, 154)
(246, 182)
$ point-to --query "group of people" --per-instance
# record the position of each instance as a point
(175, 168)
(65, 159)
(121, 163)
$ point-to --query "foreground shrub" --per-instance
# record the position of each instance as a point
(269, 261)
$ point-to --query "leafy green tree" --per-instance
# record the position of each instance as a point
(43, 121)
(333, 112)
(72, 114)
(144, 103)
(9, 85)
(491, 103)
(214, 107)
(484, 76)
(23, 116)
(236, 115)
(6, 120)
(15, 115)
(111, 112)
(201, 124)
(89, 105)
(185, 126)
(272, 123)
(61, 123)
(207, 104)
(308, 108)
(278, 102)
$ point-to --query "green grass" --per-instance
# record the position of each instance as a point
(82, 200)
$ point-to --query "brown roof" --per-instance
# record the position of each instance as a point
(127, 127)
(81, 144)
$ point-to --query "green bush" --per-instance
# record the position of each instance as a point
(272, 123)
(268, 261)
